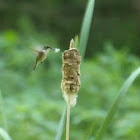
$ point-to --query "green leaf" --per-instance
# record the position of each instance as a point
(76, 41)
(61, 126)
(4, 118)
(116, 103)
(86, 27)
(4, 134)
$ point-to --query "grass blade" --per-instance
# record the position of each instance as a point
(2, 111)
(4, 134)
(116, 103)
(86, 27)
(61, 126)
(76, 41)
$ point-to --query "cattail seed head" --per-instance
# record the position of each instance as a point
(70, 84)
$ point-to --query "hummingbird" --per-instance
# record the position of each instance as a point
(42, 55)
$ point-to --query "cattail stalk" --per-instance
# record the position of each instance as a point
(70, 84)
(68, 120)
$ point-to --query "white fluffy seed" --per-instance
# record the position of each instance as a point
(56, 50)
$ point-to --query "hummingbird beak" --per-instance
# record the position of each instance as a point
(52, 48)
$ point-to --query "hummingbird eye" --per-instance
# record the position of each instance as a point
(46, 47)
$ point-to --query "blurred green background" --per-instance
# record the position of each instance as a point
(32, 101)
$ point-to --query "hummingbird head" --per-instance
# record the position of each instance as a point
(46, 48)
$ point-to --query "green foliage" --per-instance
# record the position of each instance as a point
(116, 103)
(63, 20)
(2, 112)
(33, 103)
(32, 100)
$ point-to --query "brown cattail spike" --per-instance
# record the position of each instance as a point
(71, 74)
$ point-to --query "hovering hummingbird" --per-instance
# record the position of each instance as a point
(42, 54)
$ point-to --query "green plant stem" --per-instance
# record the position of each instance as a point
(2, 111)
(61, 126)
(116, 103)
(84, 34)
(4, 134)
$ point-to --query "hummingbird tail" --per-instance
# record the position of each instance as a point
(35, 65)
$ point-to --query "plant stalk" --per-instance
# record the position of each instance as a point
(68, 119)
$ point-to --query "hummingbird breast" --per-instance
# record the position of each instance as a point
(41, 57)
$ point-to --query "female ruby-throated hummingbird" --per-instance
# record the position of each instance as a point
(42, 55)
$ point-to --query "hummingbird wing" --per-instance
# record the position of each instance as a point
(37, 52)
